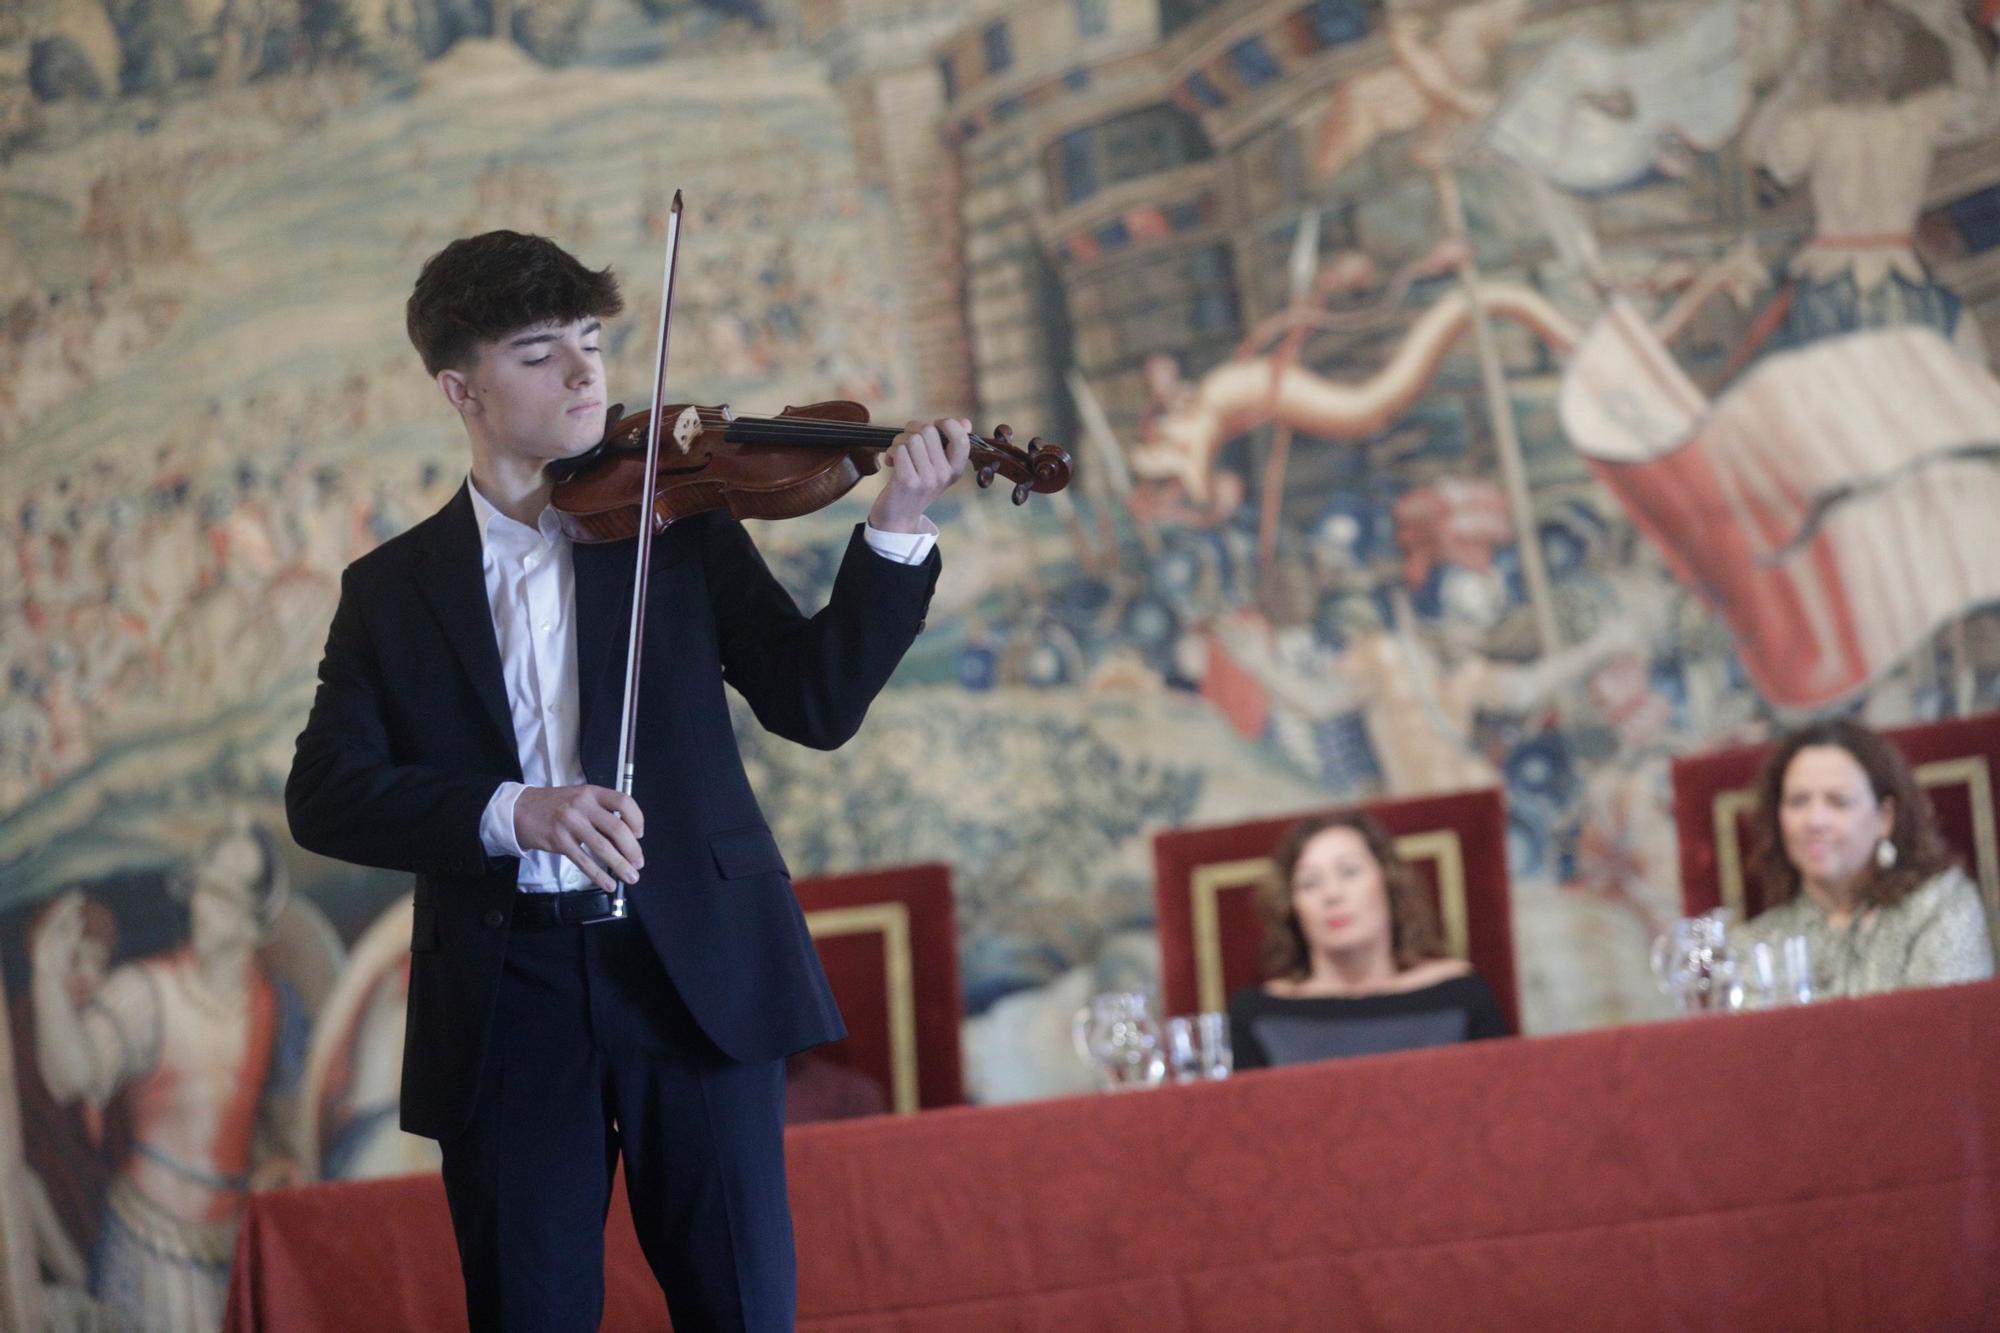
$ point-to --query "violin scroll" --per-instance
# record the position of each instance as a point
(1042, 466)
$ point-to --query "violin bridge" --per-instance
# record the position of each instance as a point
(686, 427)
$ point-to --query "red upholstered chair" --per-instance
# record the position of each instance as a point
(890, 948)
(1714, 796)
(1205, 894)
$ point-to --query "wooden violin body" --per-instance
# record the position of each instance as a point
(797, 462)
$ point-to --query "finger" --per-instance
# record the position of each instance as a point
(948, 463)
(959, 453)
(927, 456)
(903, 460)
(613, 812)
(576, 856)
(613, 831)
(629, 811)
(608, 855)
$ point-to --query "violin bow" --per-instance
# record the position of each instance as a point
(629, 722)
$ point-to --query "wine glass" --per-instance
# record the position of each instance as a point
(1117, 1035)
(1693, 963)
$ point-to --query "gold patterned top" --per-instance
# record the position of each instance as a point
(1936, 936)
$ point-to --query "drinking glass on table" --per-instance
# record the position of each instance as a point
(1117, 1035)
(1693, 963)
(1795, 970)
(1758, 987)
(1777, 972)
(1198, 1047)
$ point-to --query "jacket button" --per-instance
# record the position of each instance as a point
(495, 917)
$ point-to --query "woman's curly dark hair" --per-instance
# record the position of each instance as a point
(1413, 929)
(1920, 849)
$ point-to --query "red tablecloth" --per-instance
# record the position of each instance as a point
(1821, 1168)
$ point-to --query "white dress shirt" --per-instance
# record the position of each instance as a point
(531, 591)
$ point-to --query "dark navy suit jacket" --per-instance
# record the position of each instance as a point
(410, 734)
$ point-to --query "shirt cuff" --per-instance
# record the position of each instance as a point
(905, 548)
(496, 826)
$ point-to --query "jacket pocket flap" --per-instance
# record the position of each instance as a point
(747, 851)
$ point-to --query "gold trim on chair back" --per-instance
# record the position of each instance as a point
(1207, 883)
(892, 920)
(1729, 849)
(1970, 770)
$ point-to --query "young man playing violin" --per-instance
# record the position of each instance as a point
(465, 730)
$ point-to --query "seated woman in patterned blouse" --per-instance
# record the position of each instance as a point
(1848, 854)
(1352, 956)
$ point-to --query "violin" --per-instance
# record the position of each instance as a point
(676, 460)
(794, 463)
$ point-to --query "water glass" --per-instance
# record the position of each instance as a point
(1198, 1047)
(1796, 970)
(1758, 986)
(1776, 972)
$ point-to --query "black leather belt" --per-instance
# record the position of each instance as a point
(560, 909)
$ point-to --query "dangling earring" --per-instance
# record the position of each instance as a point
(1885, 854)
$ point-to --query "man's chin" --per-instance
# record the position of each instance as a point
(579, 442)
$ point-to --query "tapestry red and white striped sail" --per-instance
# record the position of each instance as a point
(1836, 505)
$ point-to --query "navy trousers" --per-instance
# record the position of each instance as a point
(593, 1056)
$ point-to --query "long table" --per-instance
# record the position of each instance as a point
(1823, 1168)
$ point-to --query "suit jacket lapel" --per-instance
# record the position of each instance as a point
(454, 582)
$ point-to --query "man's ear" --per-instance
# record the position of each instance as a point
(458, 391)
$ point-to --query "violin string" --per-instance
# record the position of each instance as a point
(836, 434)
(810, 427)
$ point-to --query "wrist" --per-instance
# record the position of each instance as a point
(886, 516)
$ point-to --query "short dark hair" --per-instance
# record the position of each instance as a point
(483, 287)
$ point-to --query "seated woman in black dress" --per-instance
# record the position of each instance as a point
(1352, 956)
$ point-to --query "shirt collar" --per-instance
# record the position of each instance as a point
(493, 524)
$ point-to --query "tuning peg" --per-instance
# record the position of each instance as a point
(1004, 434)
(986, 473)
(1021, 493)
